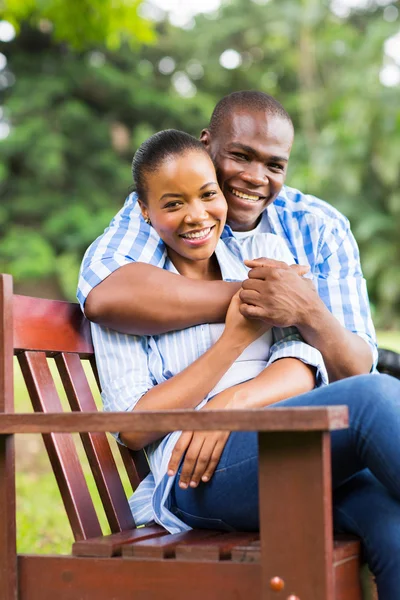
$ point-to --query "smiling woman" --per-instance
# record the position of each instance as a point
(180, 196)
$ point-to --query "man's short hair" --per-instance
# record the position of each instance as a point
(250, 101)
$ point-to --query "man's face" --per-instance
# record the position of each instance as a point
(250, 152)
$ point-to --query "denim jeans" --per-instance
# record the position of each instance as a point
(365, 476)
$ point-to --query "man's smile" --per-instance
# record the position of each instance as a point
(246, 195)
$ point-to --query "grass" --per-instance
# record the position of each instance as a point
(42, 524)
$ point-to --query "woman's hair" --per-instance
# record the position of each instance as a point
(157, 148)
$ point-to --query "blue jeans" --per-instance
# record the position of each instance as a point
(365, 476)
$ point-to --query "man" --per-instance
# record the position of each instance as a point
(249, 139)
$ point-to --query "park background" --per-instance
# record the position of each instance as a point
(84, 82)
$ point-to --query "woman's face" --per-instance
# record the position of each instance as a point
(185, 205)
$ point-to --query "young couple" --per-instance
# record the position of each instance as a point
(174, 351)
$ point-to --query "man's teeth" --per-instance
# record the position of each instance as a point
(196, 235)
(245, 196)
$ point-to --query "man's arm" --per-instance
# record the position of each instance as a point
(146, 300)
(275, 292)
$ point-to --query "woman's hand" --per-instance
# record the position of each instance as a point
(203, 451)
(242, 330)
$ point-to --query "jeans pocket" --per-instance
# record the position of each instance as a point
(201, 522)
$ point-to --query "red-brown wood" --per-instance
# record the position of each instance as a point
(164, 547)
(296, 513)
(218, 548)
(273, 420)
(67, 578)
(50, 326)
(135, 463)
(8, 552)
(60, 448)
(96, 445)
(112, 545)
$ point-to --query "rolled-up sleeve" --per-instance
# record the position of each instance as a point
(128, 239)
(123, 366)
(288, 343)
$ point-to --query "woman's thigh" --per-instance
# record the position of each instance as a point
(230, 499)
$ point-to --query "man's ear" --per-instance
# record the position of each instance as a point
(144, 211)
(205, 138)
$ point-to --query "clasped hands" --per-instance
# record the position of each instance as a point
(276, 294)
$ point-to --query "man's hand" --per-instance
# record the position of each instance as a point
(277, 293)
(203, 451)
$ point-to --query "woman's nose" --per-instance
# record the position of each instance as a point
(196, 213)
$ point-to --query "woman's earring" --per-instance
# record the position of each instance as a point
(147, 220)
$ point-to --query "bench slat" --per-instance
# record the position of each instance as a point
(96, 445)
(217, 548)
(60, 448)
(164, 547)
(112, 545)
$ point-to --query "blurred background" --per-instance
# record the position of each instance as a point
(84, 82)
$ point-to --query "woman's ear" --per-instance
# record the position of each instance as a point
(144, 211)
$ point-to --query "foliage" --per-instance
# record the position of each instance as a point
(82, 23)
(77, 117)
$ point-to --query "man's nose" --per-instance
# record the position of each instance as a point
(255, 174)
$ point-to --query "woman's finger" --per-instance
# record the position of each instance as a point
(203, 459)
(190, 460)
(215, 457)
(180, 448)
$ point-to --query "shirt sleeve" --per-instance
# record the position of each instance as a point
(123, 366)
(127, 239)
(341, 285)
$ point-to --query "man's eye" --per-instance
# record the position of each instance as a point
(277, 167)
(240, 155)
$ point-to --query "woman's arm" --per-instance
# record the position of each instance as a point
(189, 387)
(145, 300)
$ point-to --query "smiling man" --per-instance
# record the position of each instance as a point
(249, 140)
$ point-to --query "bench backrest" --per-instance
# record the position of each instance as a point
(49, 329)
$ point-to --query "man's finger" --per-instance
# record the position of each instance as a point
(178, 451)
(265, 262)
(249, 297)
(250, 284)
(300, 269)
(251, 312)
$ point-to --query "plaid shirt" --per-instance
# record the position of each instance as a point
(315, 233)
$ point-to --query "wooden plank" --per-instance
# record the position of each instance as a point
(112, 545)
(296, 514)
(277, 419)
(135, 463)
(8, 555)
(50, 326)
(60, 448)
(217, 548)
(97, 448)
(63, 578)
(164, 547)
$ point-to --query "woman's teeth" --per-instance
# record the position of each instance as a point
(196, 235)
(245, 196)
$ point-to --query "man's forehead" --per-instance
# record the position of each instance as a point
(253, 124)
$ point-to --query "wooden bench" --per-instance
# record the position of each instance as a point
(293, 558)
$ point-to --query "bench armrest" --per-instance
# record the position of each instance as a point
(276, 419)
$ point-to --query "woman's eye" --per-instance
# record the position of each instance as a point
(209, 195)
(174, 204)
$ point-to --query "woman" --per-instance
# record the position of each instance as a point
(209, 479)
(242, 364)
